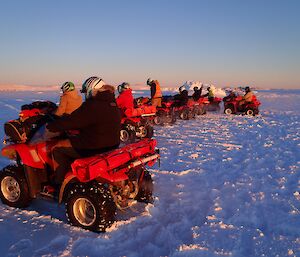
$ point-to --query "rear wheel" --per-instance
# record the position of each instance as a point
(171, 119)
(145, 189)
(90, 207)
(14, 188)
(202, 110)
(249, 112)
(197, 110)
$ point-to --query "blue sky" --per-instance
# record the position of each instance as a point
(223, 42)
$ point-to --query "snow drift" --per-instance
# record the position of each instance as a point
(189, 85)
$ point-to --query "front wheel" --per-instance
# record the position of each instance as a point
(184, 115)
(192, 114)
(127, 136)
(14, 188)
(146, 131)
(228, 111)
(91, 207)
(158, 120)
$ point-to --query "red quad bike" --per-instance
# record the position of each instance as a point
(213, 106)
(92, 190)
(148, 111)
(232, 106)
(184, 112)
(135, 124)
(198, 107)
(165, 114)
(176, 110)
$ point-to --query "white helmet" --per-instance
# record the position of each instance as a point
(91, 86)
(149, 81)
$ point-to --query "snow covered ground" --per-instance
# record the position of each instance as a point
(227, 186)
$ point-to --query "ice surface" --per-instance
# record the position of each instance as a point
(227, 186)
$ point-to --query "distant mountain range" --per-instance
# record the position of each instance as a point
(27, 88)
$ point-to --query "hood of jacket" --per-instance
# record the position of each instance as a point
(72, 94)
(105, 96)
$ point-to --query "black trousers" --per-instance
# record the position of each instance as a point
(63, 155)
(63, 158)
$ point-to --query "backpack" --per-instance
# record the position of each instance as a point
(31, 118)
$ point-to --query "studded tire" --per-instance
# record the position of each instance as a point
(228, 111)
(127, 136)
(145, 189)
(249, 112)
(184, 115)
(90, 207)
(14, 189)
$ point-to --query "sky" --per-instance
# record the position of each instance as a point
(220, 42)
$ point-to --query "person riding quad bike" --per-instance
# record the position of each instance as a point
(155, 90)
(70, 100)
(197, 93)
(210, 94)
(125, 99)
(230, 97)
(182, 98)
(247, 98)
(98, 122)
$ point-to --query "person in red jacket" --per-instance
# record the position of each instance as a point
(125, 98)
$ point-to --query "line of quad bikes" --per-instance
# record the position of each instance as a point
(97, 186)
(138, 122)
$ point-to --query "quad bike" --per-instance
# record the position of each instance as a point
(146, 109)
(153, 115)
(92, 190)
(232, 106)
(184, 112)
(198, 107)
(172, 109)
(133, 128)
(165, 114)
(212, 105)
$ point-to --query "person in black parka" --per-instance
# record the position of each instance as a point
(197, 93)
(182, 98)
(98, 122)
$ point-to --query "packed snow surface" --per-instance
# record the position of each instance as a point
(227, 186)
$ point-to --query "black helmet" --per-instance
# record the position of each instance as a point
(123, 86)
(181, 88)
(247, 89)
(195, 88)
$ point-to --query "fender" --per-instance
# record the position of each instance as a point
(28, 154)
(69, 179)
